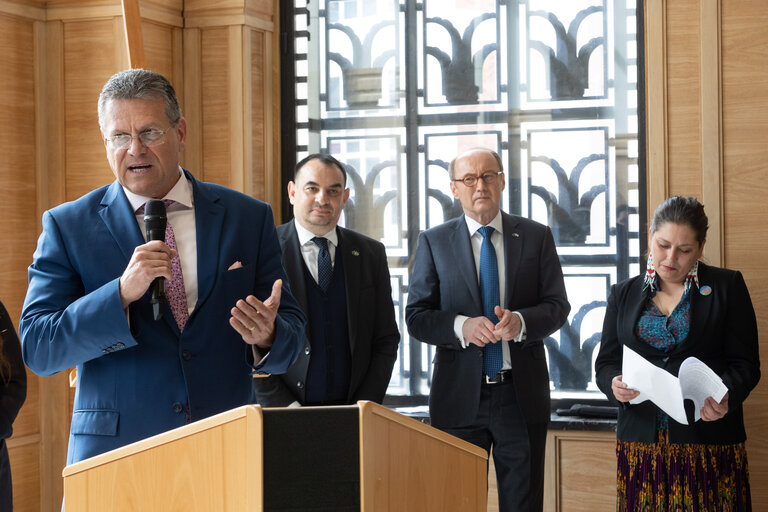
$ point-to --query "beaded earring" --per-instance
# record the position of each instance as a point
(650, 274)
(692, 277)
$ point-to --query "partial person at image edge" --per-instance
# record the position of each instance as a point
(13, 391)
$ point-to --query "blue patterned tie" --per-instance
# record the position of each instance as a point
(324, 269)
(489, 289)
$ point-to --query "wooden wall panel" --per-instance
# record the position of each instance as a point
(18, 216)
(94, 42)
(683, 98)
(745, 189)
(25, 471)
(214, 76)
(586, 478)
(162, 46)
(260, 144)
(17, 167)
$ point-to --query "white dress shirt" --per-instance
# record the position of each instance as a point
(497, 239)
(181, 216)
(309, 249)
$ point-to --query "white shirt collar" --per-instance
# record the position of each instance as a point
(306, 236)
(180, 193)
(473, 225)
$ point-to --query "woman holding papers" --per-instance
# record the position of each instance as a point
(681, 308)
(13, 391)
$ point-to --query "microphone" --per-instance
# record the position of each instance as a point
(154, 224)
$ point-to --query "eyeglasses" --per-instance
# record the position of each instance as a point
(487, 177)
(148, 139)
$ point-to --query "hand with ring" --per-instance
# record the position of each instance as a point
(478, 331)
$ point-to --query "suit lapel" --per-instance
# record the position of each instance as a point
(701, 309)
(120, 220)
(209, 220)
(352, 276)
(637, 299)
(294, 264)
(513, 252)
(460, 243)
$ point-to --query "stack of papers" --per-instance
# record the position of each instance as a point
(695, 381)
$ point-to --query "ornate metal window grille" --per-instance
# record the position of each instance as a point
(396, 88)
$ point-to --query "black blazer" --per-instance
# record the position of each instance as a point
(13, 391)
(13, 383)
(723, 335)
(444, 284)
(373, 332)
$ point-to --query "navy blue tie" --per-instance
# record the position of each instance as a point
(324, 269)
(493, 359)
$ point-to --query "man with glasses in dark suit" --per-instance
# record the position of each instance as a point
(486, 289)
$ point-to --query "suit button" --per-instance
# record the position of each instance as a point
(299, 384)
(306, 350)
(120, 344)
(186, 355)
(177, 407)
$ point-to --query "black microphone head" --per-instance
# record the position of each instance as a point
(155, 219)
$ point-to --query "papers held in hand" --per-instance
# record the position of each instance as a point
(695, 381)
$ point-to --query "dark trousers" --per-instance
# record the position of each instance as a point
(517, 447)
(6, 498)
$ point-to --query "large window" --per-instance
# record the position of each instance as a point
(396, 88)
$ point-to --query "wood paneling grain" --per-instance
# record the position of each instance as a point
(94, 42)
(214, 77)
(17, 166)
(745, 188)
(586, 470)
(162, 51)
(25, 468)
(683, 53)
(262, 131)
(18, 216)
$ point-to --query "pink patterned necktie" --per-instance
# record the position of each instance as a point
(174, 289)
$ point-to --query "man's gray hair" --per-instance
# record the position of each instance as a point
(139, 84)
(471, 150)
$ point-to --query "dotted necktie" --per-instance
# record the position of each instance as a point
(174, 289)
(489, 290)
(324, 269)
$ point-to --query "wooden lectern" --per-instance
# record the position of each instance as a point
(360, 457)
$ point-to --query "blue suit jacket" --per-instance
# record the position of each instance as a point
(444, 284)
(136, 380)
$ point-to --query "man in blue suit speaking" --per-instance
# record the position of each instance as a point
(226, 312)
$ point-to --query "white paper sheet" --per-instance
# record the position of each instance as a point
(696, 382)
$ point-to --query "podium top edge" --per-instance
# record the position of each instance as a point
(253, 411)
(372, 408)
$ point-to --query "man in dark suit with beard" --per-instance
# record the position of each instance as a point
(341, 281)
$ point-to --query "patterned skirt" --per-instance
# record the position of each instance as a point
(662, 476)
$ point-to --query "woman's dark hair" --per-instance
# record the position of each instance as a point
(682, 210)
